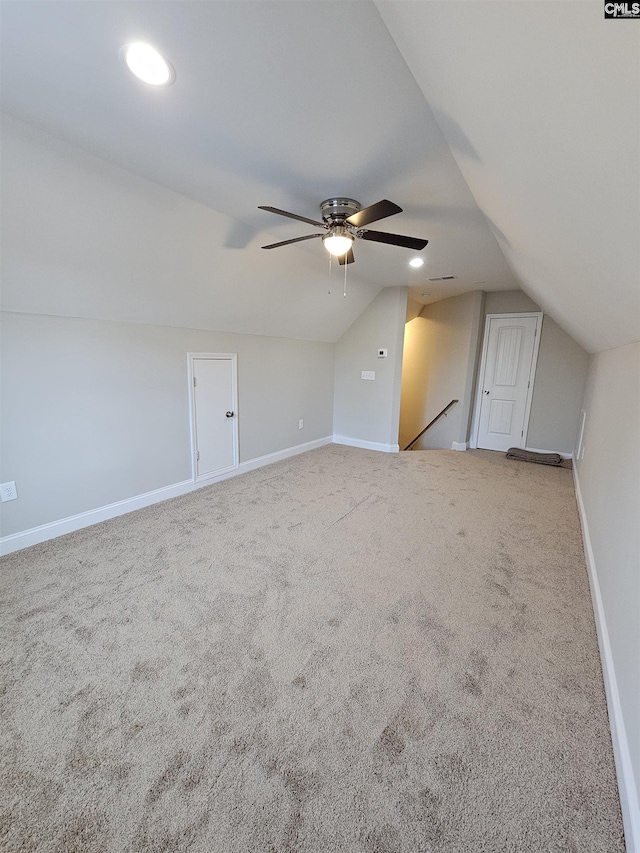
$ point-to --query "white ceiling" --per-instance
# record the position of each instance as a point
(287, 103)
(540, 105)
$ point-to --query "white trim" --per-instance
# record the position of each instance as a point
(279, 455)
(557, 452)
(366, 445)
(460, 445)
(583, 419)
(473, 438)
(627, 785)
(212, 476)
(53, 529)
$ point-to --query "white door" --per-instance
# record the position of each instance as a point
(507, 381)
(214, 416)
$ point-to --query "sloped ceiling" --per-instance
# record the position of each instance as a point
(275, 103)
(508, 132)
(540, 105)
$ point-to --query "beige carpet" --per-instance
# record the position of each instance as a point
(345, 651)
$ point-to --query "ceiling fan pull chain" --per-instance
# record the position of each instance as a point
(346, 267)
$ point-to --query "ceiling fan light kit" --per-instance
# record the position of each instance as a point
(338, 242)
(344, 220)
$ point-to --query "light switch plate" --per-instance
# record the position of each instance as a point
(368, 374)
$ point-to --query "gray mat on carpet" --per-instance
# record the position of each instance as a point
(541, 458)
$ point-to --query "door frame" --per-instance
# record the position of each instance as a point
(473, 438)
(218, 356)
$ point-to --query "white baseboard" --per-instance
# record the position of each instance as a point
(627, 784)
(366, 445)
(279, 455)
(53, 529)
(460, 445)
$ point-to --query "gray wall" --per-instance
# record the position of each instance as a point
(370, 410)
(557, 395)
(415, 377)
(413, 308)
(439, 362)
(609, 478)
(560, 377)
(94, 412)
(508, 302)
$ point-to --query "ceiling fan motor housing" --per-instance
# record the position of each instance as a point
(336, 210)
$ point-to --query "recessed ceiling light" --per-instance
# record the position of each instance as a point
(147, 64)
(416, 262)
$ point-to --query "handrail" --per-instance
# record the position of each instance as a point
(429, 425)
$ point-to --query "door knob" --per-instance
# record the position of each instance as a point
(229, 414)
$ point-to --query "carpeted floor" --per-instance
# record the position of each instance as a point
(345, 651)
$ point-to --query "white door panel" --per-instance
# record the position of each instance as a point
(507, 381)
(501, 416)
(214, 414)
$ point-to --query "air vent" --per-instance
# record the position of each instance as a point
(442, 278)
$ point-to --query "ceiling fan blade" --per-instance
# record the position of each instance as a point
(379, 210)
(347, 258)
(295, 240)
(394, 239)
(292, 215)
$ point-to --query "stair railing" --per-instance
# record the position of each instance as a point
(429, 425)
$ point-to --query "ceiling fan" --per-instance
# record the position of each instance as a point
(344, 219)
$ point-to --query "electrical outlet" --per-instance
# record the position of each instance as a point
(301, 423)
(8, 491)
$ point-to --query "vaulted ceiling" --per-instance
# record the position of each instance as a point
(508, 132)
(540, 105)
